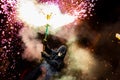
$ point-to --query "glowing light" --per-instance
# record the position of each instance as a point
(36, 15)
(117, 36)
(28, 13)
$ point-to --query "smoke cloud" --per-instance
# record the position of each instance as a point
(33, 47)
(81, 60)
(81, 64)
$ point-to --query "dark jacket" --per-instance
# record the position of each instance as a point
(55, 58)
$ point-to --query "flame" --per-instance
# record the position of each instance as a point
(117, 36)
(37, 15)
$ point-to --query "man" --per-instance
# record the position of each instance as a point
(52, 64)
(54, 60)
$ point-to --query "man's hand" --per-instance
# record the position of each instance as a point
(44, 42)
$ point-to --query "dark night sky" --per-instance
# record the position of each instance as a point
(106, 12)
(107, 22)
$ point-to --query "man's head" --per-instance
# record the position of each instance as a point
(62, 50)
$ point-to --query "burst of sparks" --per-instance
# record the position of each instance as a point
(62, 12)
(78, 8)
(10, 43)
(35, 14)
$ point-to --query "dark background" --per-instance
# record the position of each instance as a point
(106, 21)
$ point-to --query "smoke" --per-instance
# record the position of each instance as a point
(82, 57)
(67, 78)
(80, 64)
(33, 47)
(81, 61)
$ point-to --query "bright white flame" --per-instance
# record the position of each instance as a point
(35, 14)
